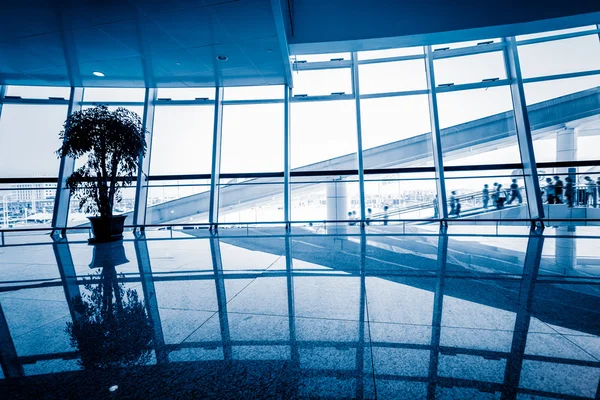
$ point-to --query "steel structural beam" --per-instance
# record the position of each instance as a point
(438, 307)
(141, 185)
(530, 176)
(215, 251)
(436, 138)
(283, 42)
(287, 159)
(359, 152)
(514, 363)
(67, 166)
(143, 259)
(2, 93)
(213, 210)
(9, 359)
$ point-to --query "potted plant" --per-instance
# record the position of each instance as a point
(113, 142)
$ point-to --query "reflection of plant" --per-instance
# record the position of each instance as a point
(112, 328)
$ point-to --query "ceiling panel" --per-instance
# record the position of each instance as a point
(141, 35)
(246, 19)
(197, 27)
(235, 56)
(157, 42)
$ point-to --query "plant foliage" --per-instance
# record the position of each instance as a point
(113, 142)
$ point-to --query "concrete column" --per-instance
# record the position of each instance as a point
(565, 251)
(566, 145)
(337, 201)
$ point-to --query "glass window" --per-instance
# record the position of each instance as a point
(469, 69)
(252, 138)
(375, 54)
(398, 76)
(323, 81)
(554, 33)
(468, 105)
(537, 92)
(186, 93)
(560, 56)
(551, 105)
(458, 45)
(387, 122)
(254, 92)
(29, 139)
(38, 92)
(321, 57)
(182, 140)
(113, 94)
(323, 131)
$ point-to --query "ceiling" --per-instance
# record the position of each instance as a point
(175, 43)
(139, 43)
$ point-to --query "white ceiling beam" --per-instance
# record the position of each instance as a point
(283, 42)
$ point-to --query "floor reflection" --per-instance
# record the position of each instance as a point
(361, 316)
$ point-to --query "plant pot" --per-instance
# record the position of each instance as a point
(107, 229)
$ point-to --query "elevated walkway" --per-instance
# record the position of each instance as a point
(493, 131)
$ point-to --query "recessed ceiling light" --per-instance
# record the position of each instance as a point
(113, 388)
(221, 57)
(98, 73)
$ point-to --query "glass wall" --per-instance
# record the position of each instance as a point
(561, 77)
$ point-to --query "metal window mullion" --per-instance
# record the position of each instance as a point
(289, 268)
(530, 176)
(2, 93)
(67, 166)
(287, 198)
(141, 190)
(359, 152)
(213, 211)
(436, 140)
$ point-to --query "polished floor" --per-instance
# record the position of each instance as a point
(250, 313)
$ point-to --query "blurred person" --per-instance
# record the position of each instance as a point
(550, 191)
(500, 197)
(350, 222)
(558, 190)
(515, 193)
(436, 213)
(457, 208)
(569, 191)
(369, 213)
(452, 202)
(385, 214)
(485, 196)
(591, 197)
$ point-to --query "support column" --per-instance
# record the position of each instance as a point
(337, 204)
(532, 184)
(215, 251)
(566, 145)
(67, 166)
(213, 211)
(359, 151)
(9, 359)
(287, 160)
(514, 363)
(141, 185)
(436, 138)
(2, 93)
(438, 308)
(143, 259)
